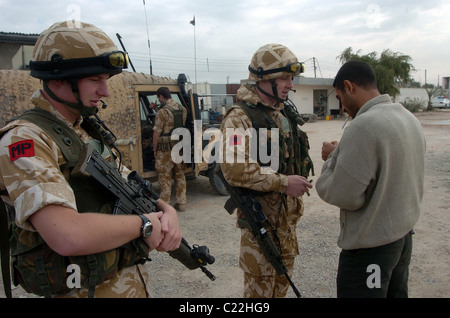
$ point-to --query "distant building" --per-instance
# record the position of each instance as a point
(315, 96)
(16, 50)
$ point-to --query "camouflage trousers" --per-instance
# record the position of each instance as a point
(260, 277)
(270, 286)
(166, 168)
(131, 282)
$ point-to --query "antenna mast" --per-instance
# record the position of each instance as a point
(148, 40)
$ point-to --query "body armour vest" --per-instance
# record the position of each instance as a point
(177, 118)
(36, 267)
(299, 161)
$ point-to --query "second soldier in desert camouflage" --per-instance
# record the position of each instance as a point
(278, 189)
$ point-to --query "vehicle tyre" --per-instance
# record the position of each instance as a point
(216, 182)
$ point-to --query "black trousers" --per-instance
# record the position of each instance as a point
(381, 271)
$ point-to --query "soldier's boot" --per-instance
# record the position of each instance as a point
(180, 207)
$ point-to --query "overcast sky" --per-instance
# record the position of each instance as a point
(228, 32)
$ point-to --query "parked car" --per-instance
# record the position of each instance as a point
(440, 102)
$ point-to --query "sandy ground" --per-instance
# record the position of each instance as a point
(207, 223)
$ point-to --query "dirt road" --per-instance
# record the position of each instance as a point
(207, 223)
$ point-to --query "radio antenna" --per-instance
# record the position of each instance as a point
(148, 39)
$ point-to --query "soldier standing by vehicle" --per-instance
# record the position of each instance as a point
(63, 220)
(170, 116)
(278, 190)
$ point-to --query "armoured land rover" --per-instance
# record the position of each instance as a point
(128, 115)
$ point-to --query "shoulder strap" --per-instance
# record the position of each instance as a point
(66, 139)
(258, 116)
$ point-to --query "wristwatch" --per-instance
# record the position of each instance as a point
(147, 226)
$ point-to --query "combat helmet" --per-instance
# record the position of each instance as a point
(72, 50)
(273, 61)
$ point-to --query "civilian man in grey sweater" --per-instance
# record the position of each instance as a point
(375, 175)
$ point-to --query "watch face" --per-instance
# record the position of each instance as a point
(147, 229)
(147, 226)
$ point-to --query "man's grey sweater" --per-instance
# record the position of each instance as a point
(376, 175)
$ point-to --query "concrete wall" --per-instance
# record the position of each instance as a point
(21, 60)
(413, 93)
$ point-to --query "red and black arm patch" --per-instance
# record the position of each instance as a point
(23, 148)
(235, 140)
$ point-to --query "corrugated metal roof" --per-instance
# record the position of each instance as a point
(18, 38)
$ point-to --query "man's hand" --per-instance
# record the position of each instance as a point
(154, 106)
(170, 228)
(327, 148)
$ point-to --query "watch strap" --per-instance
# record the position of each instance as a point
(145, 220)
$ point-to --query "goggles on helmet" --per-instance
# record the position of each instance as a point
(295, 68)
(116, 59)
(111, 60)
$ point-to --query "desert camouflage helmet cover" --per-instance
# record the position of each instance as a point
(70, 40)
(271, 57)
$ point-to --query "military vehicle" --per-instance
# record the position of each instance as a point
(128, 115)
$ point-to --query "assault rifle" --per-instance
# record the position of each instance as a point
(255, 220)
(136, 196)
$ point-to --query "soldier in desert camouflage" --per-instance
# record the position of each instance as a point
(278, 188)
(58, 219)
(170, 116)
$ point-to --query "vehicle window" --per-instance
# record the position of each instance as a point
(176, 98)
(148, 115)
(142, 111)
(151, 98)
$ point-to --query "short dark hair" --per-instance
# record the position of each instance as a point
(164, 92)
(357, 72)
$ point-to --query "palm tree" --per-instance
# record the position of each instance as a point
(432, 92)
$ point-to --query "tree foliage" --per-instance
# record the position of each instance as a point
(391, 68)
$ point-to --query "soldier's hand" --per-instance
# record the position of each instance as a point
(297, 185)
(170, 228)
(155, 239)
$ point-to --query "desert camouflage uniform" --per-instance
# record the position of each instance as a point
(164, 123)
(282, 211)
(35, 181)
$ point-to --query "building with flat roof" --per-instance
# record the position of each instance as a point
(16, 50)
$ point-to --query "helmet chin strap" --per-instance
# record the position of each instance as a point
(274, 90)
(85, 111)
